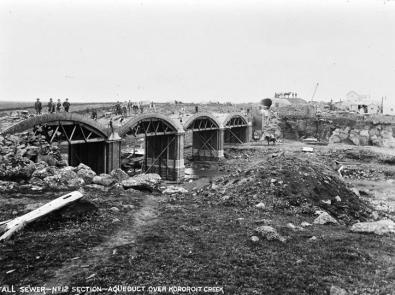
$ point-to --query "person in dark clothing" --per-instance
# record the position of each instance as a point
(51, 106)
(38, 106)
(58, 106)
(196, 109)
(94, 115)
(129, 107)
(66, 105)
(110, 124)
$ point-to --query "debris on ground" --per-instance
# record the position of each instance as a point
(174, 190)
(104, 179)
(325, 218)
(119, 174)
(377, 227)
(301, 186)
(18, 223)
(335, 290)
(148, 182)
(307, 149)
(269, 233)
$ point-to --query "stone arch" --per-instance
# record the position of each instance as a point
(173, 126)
(83, 140)
(227, 121)
(57, 117)
(202, 116)
(164, 144)
(237, 128)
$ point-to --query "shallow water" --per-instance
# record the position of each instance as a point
(202, 170)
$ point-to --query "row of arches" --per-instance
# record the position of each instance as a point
(99, 146)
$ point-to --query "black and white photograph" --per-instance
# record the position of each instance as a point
(237, 147)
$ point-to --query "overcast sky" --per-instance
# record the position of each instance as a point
(195, 50)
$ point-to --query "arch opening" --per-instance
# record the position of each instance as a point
(163, 144)
(237, 130)
(80, 140)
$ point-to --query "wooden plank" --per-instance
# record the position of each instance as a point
(18, 223)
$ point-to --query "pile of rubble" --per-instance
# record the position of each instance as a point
(29, 162)
(291, 184)
(17, 156)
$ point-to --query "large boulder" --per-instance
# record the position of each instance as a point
(147, 181)
(119, 174)
(44, 172)
(325, 218)
(86, 173)
(54, 182)
(75, 182)
(377, 227)
(70, 178)
(103, 179)
(67, 174)
(82, 166)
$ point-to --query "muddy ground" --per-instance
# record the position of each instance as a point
(203, 237)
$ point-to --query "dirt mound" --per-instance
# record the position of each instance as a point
(291, 184)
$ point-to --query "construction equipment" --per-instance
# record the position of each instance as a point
(315, 90)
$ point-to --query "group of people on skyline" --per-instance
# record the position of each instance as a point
(285, 95)
(52, 107)
(128, 106)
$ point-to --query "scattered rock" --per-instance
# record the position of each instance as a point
(148, 181)
(313, 238)
(356, 191)
(254, 239)
(103, 179)
(36, 181)
(82, 166)
(97, 187)
(116, 220)
(337, 291)
(225, 198)
(114, 209)
(377, 227)
(338, 199)
(325, 218)
(269, 233)
(67, 174)
(291, 226)
(260, 205)
(305, 224)
(75, 182)
(375, 215)
(119, 174)
(328, 202)
(174, 190)
(86, 173)
(7, 185)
